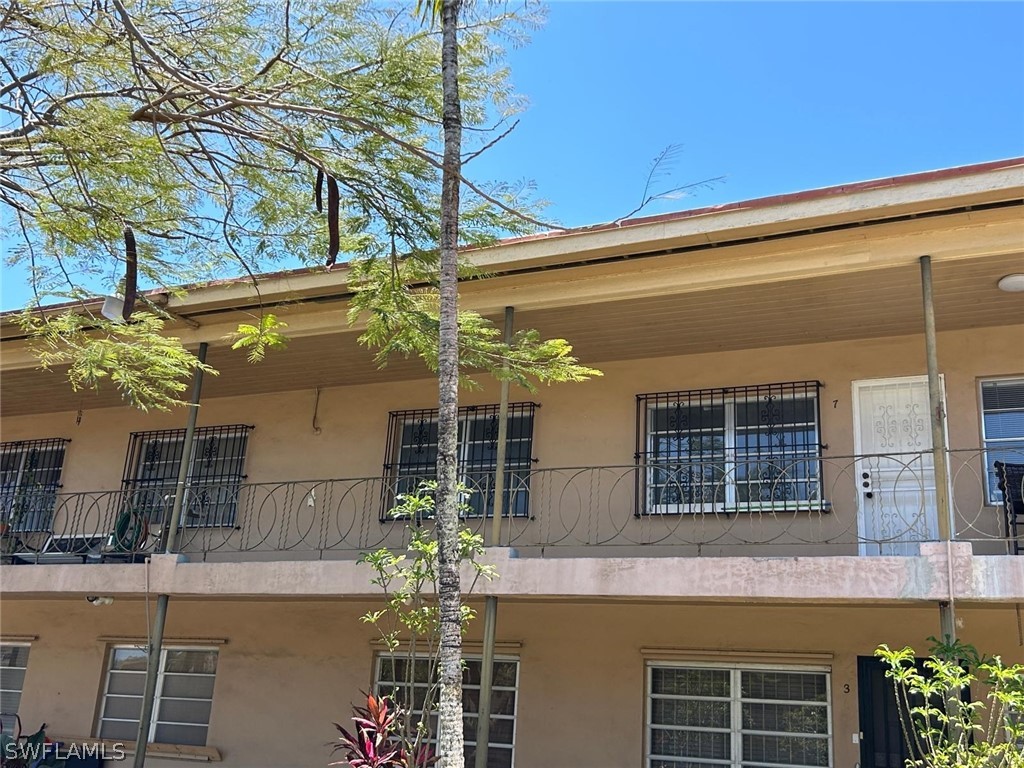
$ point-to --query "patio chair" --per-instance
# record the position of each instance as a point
(1010, 479)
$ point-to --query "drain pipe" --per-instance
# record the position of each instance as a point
(170, 540)
(937, 414)
(483, 722)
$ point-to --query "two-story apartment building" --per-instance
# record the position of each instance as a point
(703, 547)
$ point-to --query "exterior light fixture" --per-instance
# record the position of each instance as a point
(1012, 283)
(112, 308)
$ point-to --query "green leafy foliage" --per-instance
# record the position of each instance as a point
(402, 315)
(147, 366)
(408, 580)
(265, 334)
(203, 127)
(942, 730)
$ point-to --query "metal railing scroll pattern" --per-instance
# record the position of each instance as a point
(869, 504)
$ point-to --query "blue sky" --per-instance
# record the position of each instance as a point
(776, 97)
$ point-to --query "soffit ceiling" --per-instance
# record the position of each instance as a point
(841, 307)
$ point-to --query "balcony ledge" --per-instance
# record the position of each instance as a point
(837, 579)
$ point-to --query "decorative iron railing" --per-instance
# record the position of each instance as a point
(822, 505)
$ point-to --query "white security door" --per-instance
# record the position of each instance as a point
(895, 472)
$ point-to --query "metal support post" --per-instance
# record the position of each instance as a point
(937, 413)
(170, 540)
(483, 723)
(499, 472)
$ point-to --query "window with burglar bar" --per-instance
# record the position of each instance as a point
(30, 473)
(411, 456)
(215, 473)
(733, 449)
(737, 718)
(412, 683)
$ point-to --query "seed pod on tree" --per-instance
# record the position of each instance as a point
(332, 221)
(131, 273)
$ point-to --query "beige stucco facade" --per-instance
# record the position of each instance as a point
(587, 424)
(823, 288)
(593, 424)
(288, 669)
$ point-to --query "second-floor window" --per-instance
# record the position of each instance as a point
(412, 455)
(215, 472)
(729, 450)
(30, 473)
(1002, 428)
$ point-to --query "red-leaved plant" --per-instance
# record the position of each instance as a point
(377, 742)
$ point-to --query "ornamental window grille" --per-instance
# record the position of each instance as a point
(215, 474)
(735, 449)
(411, 456)
(30, 473)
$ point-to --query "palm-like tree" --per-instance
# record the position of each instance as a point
(450, 736)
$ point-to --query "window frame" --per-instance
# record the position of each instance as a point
(736, 700)
(731, 455)
(155, 721)
(474, 474)
(24, 670)
(223, 510)
(43, 496)
(469, 739)
(993, 496)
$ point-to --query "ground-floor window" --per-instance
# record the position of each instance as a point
(700, 716)
(184, 695)
(13, 663)
(412, 683)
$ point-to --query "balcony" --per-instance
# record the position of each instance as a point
(817, 505)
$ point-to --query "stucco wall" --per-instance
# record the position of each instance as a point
(579, 425)
(288, 669)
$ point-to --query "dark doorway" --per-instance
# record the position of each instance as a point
(882, 743)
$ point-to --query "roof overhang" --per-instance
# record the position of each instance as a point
(821, 266)
(827, 209)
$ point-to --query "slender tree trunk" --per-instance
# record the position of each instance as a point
(449, 745)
